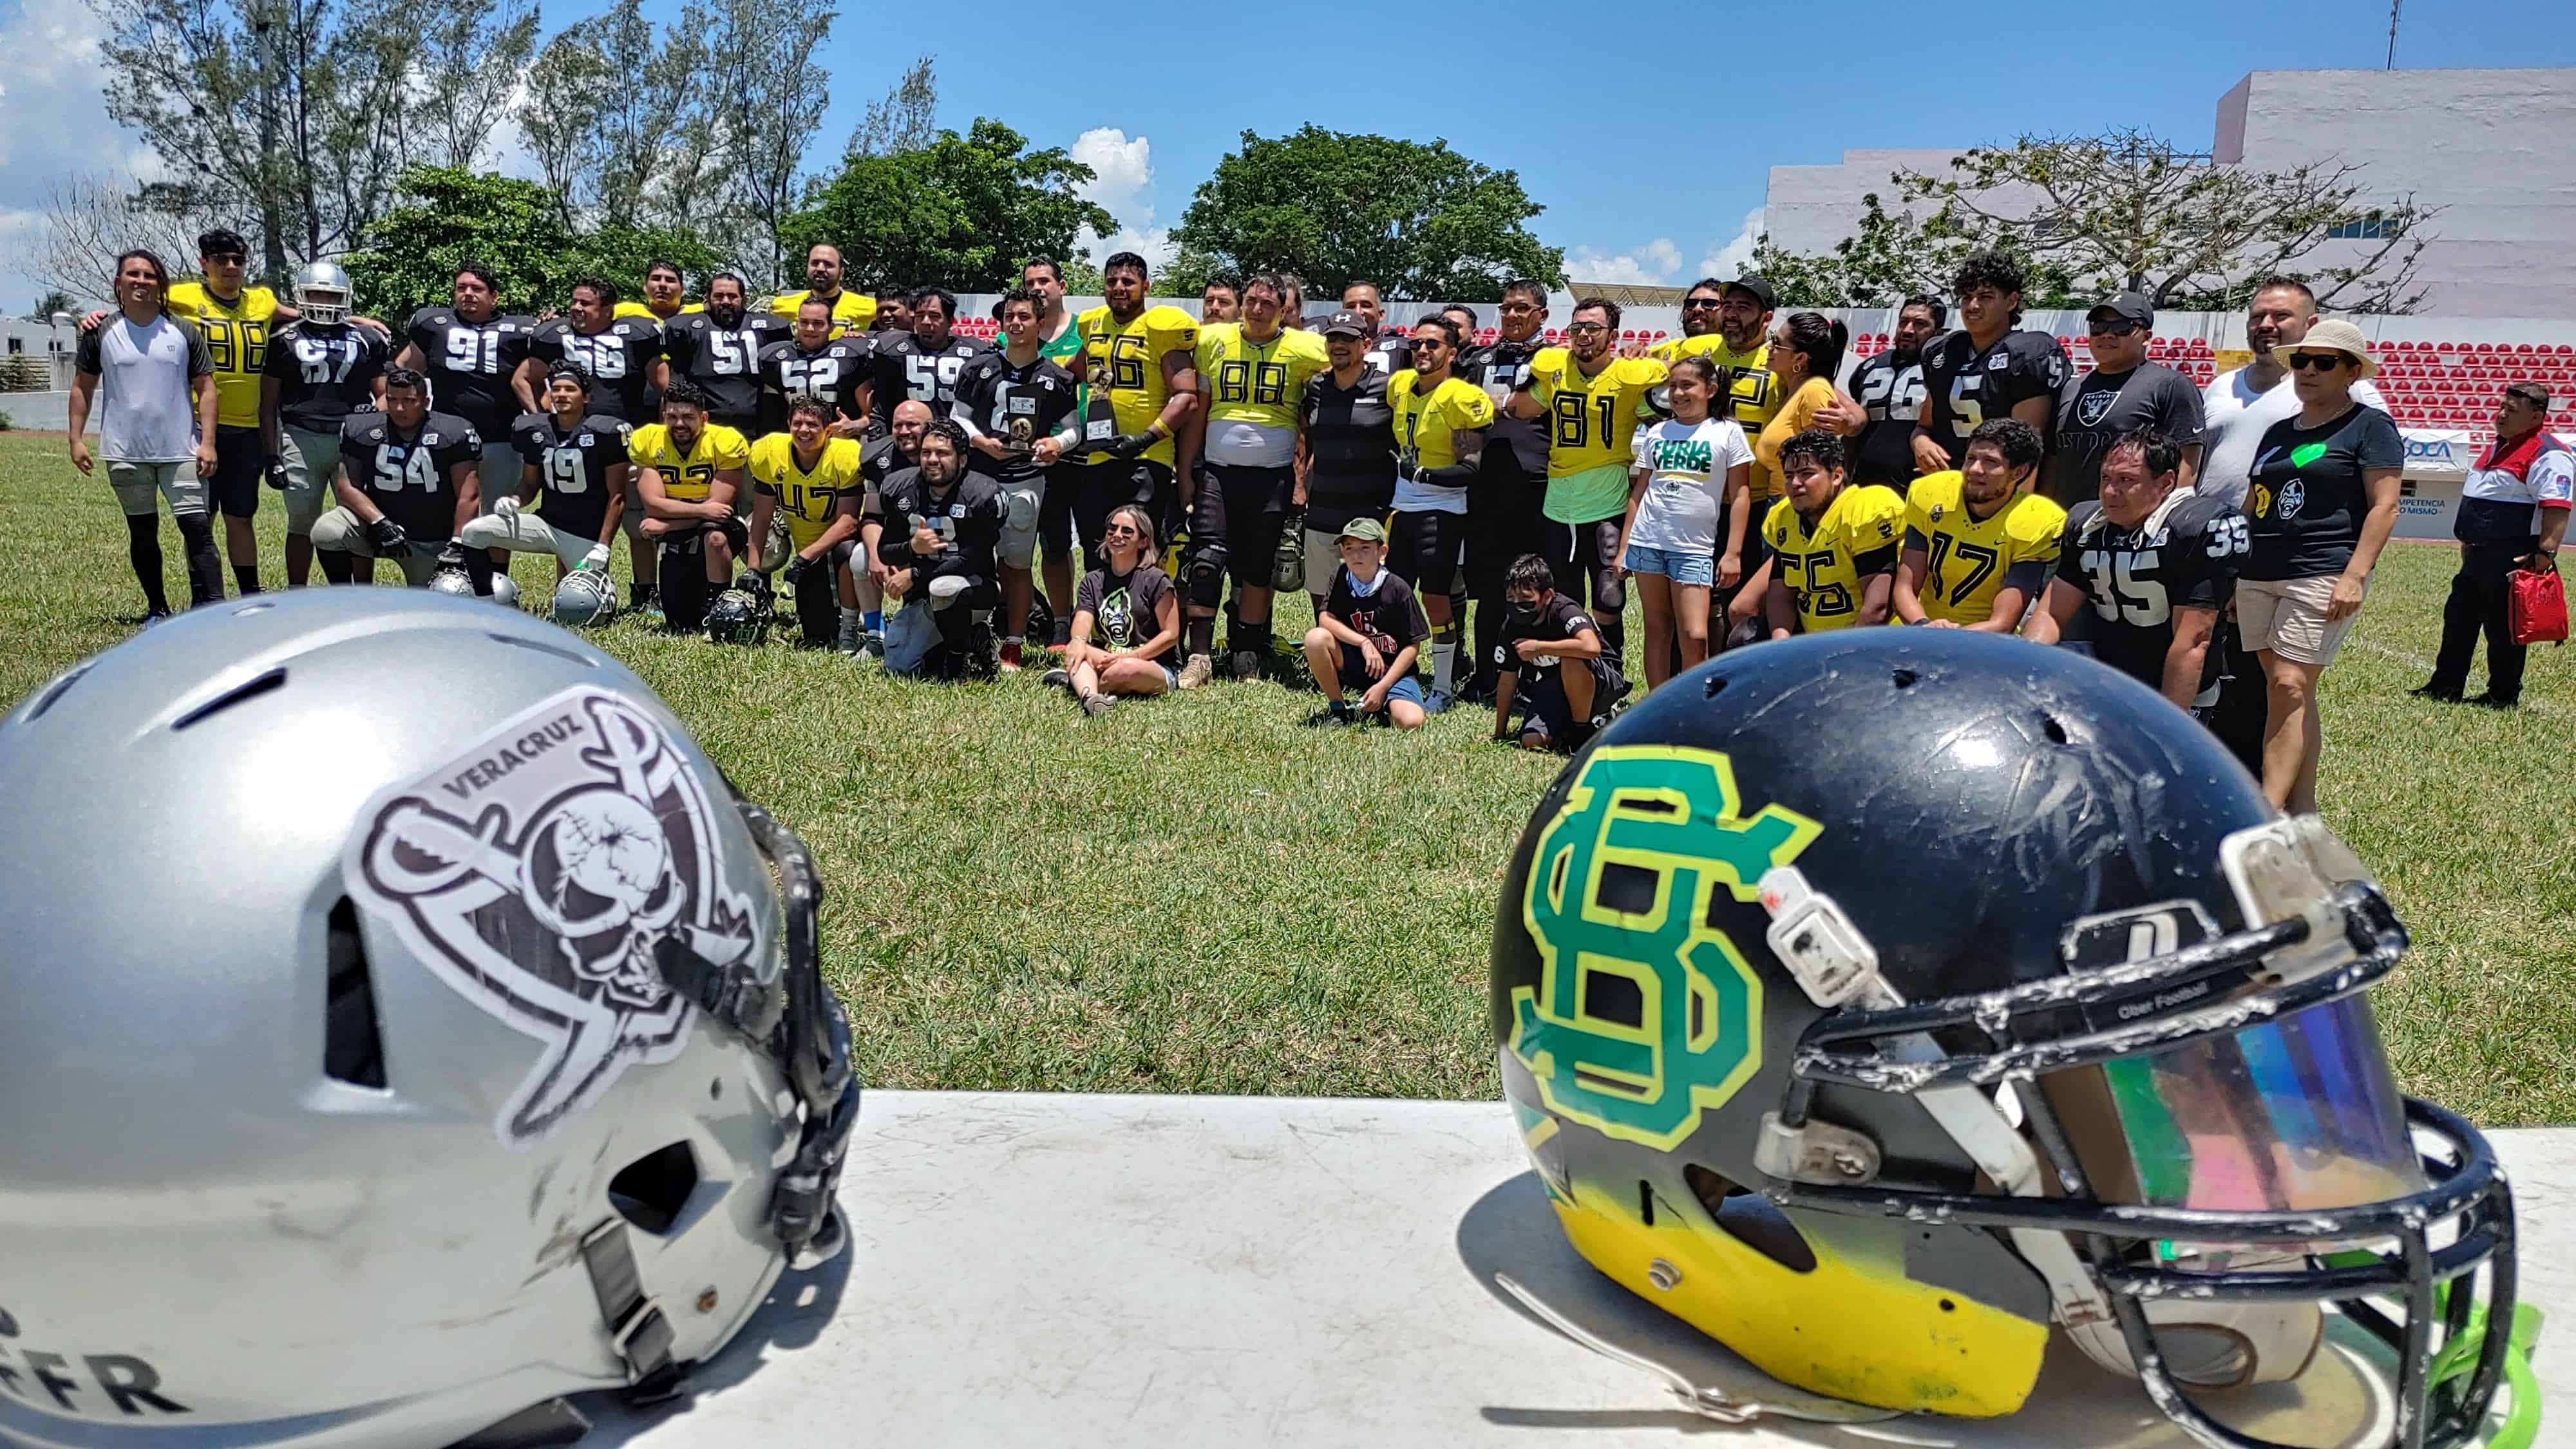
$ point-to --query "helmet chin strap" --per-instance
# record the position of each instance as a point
(2207, 1344)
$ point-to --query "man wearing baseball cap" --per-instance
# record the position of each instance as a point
(1370, 632)
(2124, 393)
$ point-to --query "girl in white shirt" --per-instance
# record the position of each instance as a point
(1689, 501)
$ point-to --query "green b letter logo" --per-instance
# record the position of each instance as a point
(1645, 1015)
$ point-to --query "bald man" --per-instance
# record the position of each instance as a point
(863, 585)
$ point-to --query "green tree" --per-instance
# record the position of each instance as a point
(53, 302)
(906, 118)
(1420, 221)
(960, 212)
(446, 217)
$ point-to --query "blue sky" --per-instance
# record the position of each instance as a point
(1648, 153)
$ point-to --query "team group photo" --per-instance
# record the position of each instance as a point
(673, 789)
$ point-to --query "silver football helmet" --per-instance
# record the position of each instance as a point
(585, 597)
(322, 292)
(386, 1103)
(505, 589)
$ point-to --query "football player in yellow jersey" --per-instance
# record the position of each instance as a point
(1140, 367)
(1440, 422)
(236, 319)
(1835, 544)
(1729, 323)
(1593, 400)
(663, 285)
(809, 480)
(851, 312)
(1251, 374)
(689, 473)
(1978, 546)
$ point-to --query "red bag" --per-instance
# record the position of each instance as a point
(2536, 609)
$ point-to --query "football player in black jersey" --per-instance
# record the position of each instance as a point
(920, 365)
(814, 361)
(1017, 410)
(1989, 368)
(720, 349)
(2156, 563)
(1503, 506)
(407, 482)
(623, 355)
(573, 469)
(320, 368)
(1390, 349)
(1889, 387)
(894, 309)
(467, 350)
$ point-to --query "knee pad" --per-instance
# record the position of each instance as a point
(1610, 595)
(1204, 574)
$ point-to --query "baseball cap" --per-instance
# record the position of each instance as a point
(2127, 307)
(1349, 324)
(1368, 530)
(1761, 289)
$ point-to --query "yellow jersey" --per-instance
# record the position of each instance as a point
(1745, 376)
(645, 310)
(1592, 419)
(1427, 424)
(1256, 382)
(1968, 558)
(805, 496)
(1126, 359)
(850, 311)
(237, 338)
(1822, 565)
(688, 475)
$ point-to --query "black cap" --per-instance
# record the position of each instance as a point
(1761, 289)
(2127, 306)
(1348, 324)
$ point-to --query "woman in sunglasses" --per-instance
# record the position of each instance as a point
(2322, 499)
(1126, 620)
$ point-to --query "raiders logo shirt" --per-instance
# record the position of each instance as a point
(412, 479)
(1019, 405)
(2096, 408)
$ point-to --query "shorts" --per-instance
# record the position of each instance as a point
(339, 531)
(241, 470)
(524, 533)
(1408, 689)
(1674, 564)
(1254, 504)
(311, 459)
(138, 484)
(2288, 617)
(1023, 506)
(1541, 695)
(1426, 549)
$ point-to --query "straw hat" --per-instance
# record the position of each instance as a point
(2340, 337)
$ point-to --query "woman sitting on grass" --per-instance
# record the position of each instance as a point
(1126, 620)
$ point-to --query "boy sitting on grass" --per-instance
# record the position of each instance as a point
(1371, 628)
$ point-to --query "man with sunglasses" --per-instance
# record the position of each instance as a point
(235, 319)
(1511, 474)
(1591, 400)
(2123, 394)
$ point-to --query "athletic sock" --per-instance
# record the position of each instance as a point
(1444, 659)
(246, 577)
(143, 550)
(334, 564)
(205, 565)
(873, 620)
(1201, 633)
(478, 571)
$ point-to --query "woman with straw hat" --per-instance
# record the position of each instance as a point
(2322, 499)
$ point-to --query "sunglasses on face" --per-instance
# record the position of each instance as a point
(2113, 329)
(1701, 304)
(1121, 530)
(228, 259)
(1581, 329)
(2315, 361)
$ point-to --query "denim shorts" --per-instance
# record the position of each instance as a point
(1681, 568)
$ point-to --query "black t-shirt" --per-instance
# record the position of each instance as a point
(1890, 389)
(2134, 579)
(324, 373)
(2095, 408)
(572, 467)
(619, 359)
(2306, 496)
(469, 364)
(1962, 386)
(1126, 609)
(1391, 618)
(968, 516)
(836, 371)
(1515, 448)
(1018, 405)
(1560, 619)
(410, 478)
(906, 371)
(725, 361)
(1390, 354)
(1350, 435)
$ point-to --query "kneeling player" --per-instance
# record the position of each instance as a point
(573, 469)
(811, 480)
(1548, 637)
(940, 531)
(406, 484)
(1978, 548)
(1370, 628)
(689, 472)
(1834, 544)
(2157, 562)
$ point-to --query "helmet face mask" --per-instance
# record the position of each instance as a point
(1881, 1002)
(584, 597)
(322, 293)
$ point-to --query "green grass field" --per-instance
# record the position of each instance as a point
(1197, 895)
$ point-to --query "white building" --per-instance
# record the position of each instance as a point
(2495, 149)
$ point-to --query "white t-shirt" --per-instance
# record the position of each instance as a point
(146, 411)
(2233, 419)
(1241, 443)
(1686, 466)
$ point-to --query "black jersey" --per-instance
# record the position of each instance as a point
(469, 363)
(1016, 404)
(410, 478)
(968, 517)
(836, 370)
(324, 373)
(1963, 386)
(1350, 436)
(572, 467)
(2186, 555)
(905, 370)
(619, 359)
(725, 361)
(1390, 354)
(1498, 367)
(1890, 390)
(1561, 620)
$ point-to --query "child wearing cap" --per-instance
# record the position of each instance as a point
(1371, 629)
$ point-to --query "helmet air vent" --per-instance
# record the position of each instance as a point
(353, 1047)
(249, 689)
(651, 1191)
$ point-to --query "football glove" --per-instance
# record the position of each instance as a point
(277, 478)
(597, 559)
(506, 506)
(387, 538)
(796, 566)
(1131, 445)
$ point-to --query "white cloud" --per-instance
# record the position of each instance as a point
(50, 68)
(1736, 255)
(1124, 183)
(1651, 265)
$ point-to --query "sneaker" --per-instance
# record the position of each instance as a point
(1246, 664)
(2488, 700)
(2440, 696)
(1010, 656)
(1438, 702)
(1334, 715)
(1063, 634)
(1057, 679)
(1198, 671)
(876, 645)
(1098, 704)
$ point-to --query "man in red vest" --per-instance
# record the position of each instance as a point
(2513, 512)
